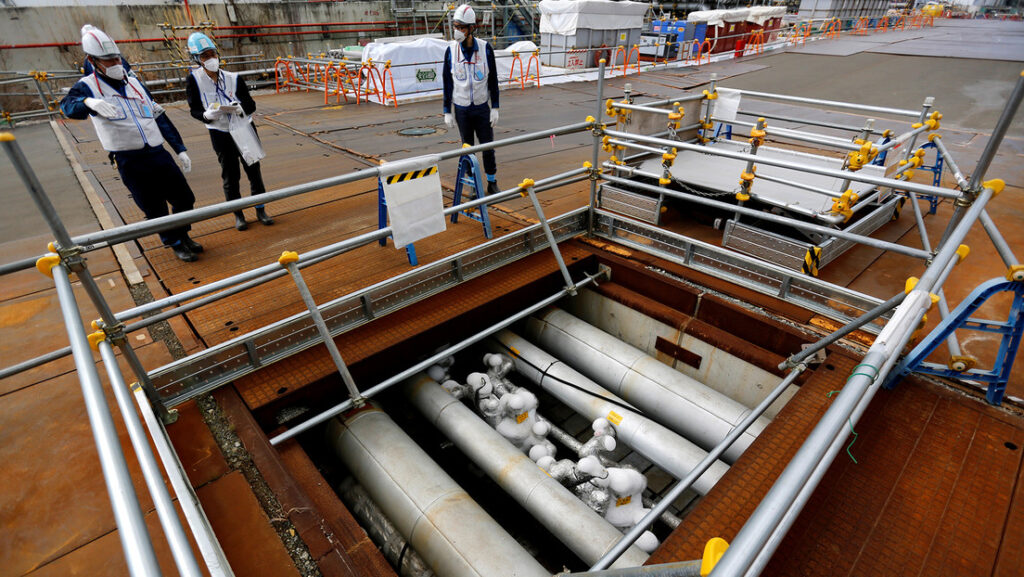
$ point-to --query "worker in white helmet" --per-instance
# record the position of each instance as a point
(470, 81)
(221, 100)
(132, 128)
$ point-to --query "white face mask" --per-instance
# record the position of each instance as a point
(212, 64)
(458, 35)
(116, 72)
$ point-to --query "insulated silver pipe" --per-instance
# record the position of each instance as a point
(181, 550)
(132, 531)
(658, 444)
(677, 490)
(568, 518)
(439, 519)
(840, 174)
(383, 385)
(685, 405)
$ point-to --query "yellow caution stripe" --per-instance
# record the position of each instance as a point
(406, 176)
(812, 260)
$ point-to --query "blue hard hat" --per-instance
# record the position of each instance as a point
(199, 43)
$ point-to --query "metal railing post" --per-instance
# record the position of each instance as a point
(132, 531)
(288, 260)
(597, 144)
(181, 550)
(527, 187)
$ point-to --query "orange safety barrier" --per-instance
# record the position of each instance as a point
(512, 71)
(901, 23)
(371, 75)
(626, 55)
(288, 75)
(384, 85)
(700, 50)
(861, 28)
(532, 64)
(755, 45)
(331, 73)
(882, 25)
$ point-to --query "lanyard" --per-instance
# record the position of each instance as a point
(99, 87)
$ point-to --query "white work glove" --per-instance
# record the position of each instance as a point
(186, 162)
(101, 107)
(449, 119)
(494, 117)
(213, 113)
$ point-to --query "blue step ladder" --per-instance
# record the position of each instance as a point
(1011, 330)
(471, 176)
(936, 170)
(382, 222)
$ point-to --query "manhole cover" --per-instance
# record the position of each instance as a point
(423, 131)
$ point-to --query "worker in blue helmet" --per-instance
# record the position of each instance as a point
(470, 79)
(221, 100)
(132, 128)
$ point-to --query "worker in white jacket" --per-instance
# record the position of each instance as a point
(470, 80)
(221, 100)
(132, 128)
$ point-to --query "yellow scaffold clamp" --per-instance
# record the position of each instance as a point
(606, 144)
(95, 339)
(713, 552)
(844, 204)
(1015, 273)
(962, 363)
(667, 158)
(525, 185)
(933, 120)
(710, 95)
(46, 263)
(996, 184)
(757, 136)
(746, 181)
(858, 158)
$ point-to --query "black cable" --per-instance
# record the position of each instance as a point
(544, 373)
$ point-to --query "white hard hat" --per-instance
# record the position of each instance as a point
(95, 42)
(465, 15)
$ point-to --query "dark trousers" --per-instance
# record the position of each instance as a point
(154, 180)
(476, 120)
(230, 159)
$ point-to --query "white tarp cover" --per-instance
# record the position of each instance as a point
(415, 206)
(427, 56)
(761, 14)
(565, 16)
(717, 17)
(727, 104)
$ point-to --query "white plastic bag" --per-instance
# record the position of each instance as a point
(249, 146)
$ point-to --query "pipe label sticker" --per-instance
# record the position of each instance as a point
(615, 418)
(623, 500)
(522, 417)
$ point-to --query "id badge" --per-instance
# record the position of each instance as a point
(146, 110)
(479, 75)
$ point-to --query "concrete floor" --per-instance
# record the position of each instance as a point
(308, 141)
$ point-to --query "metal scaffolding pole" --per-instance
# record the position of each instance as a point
(132, 531)
(181, 550)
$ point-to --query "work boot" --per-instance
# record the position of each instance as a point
(263, 217)
(492, 188)
(240, 221)
(192, 245)
(182, 252)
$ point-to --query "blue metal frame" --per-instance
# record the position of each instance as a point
(719, 126)
(1011, 329)
(471, 175)
(382, 222)
(936, 170)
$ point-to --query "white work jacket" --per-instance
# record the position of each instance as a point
(221, 91)
(469, 77)
(135, 125)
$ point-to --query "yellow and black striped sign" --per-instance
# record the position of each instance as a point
(898, 208)
(404, 176)
(811, 260)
